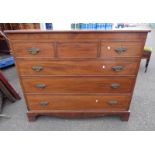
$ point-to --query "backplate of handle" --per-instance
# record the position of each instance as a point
(43, 103)
(112, 102)
(37, 68)
(120, 50)
(115, 85)
(40, 85)
(117, 68)
(33, 50)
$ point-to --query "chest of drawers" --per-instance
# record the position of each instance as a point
(77, 73)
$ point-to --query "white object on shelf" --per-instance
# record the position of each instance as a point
(42, 26)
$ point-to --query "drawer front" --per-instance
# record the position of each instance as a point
(77, 49)
(78, 102)
(33, 49)
(116, 67)
(121, 49)
(78, 84)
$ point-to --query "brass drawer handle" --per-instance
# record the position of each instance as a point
(113, 102)
(37, 68)
(120, 50)
(43, 103)
(33, 50)
(115, 85)
(117, 68)
(40, 85)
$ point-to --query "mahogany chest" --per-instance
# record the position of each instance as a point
(77, 73)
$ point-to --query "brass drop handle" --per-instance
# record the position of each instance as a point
(40, 85)
(115, 85)
(33, 50)
(43, 103)
(112, 102)
(117, 68)
(120, 50)
(37, 68)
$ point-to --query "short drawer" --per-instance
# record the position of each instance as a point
(78, 102)
(77, 49)
(121, 49)
(78, 84)
(33, 49)
(78, 67)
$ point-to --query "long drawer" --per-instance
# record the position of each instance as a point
(121, 49)
(78, 102)
(77, 84)
(77, 67)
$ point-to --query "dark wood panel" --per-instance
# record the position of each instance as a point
(77, 49)
(77, 67)
(33, 49)
(128, 35)
(33, 114)
(131, 49)
(78, 85)
(78, 102)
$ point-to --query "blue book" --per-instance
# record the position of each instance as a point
(83, 26)
(94, 26)
(103, 26)
(108, 26)
(49, 26)
(91, 25)
(78, 25)
(88, 26)
(97, 26)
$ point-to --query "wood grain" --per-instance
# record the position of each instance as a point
(124, 35)
(77, 72)
(77, 49)
(45, 49)
(77, 67)
(77, 84)
(33, 114)
(78, 102)
(134, 49)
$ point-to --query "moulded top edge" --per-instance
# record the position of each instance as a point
(75, 31)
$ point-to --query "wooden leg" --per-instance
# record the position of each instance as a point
(147, 63)
(31, 117)
(125, 116)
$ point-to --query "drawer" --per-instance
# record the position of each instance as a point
(77, 84)
(33, 49)
(78, 102)
(121, 49)
(78, 67)
(77, 49)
